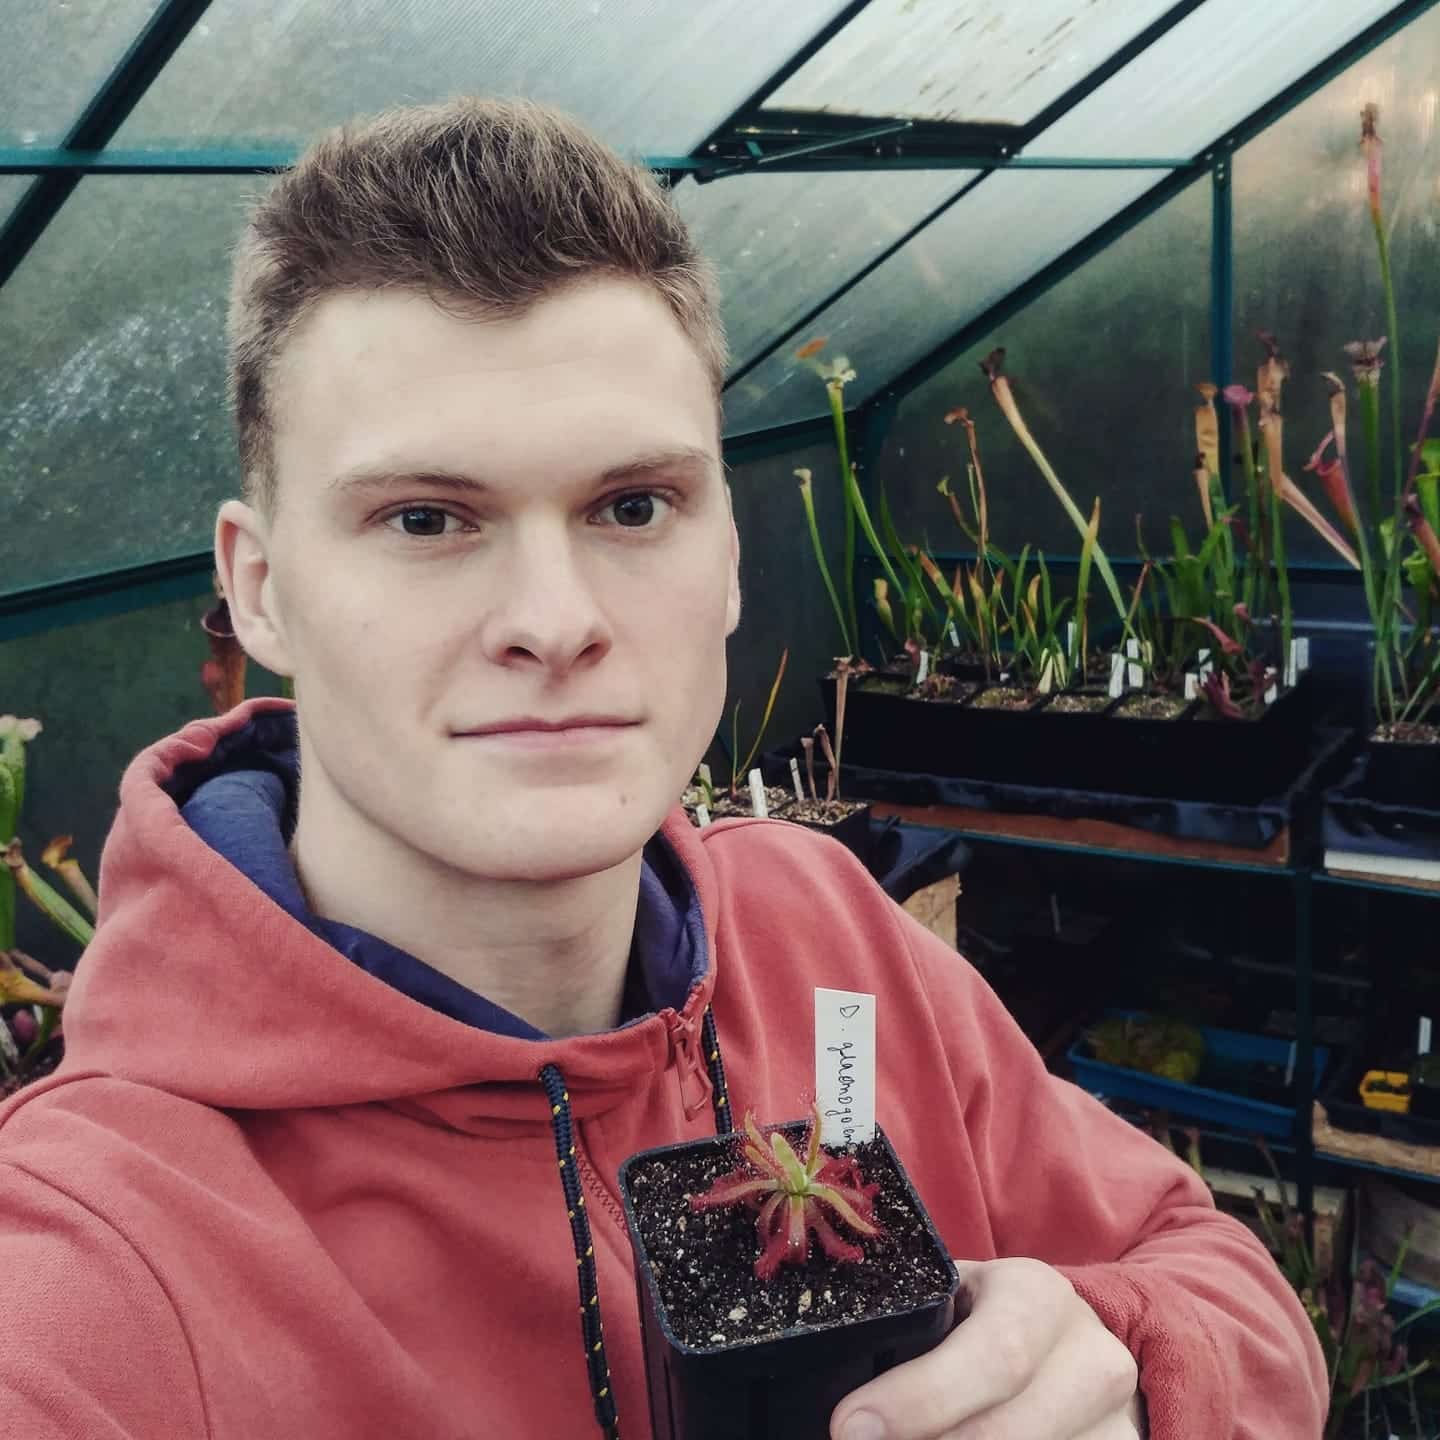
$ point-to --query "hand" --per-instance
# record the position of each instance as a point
(1031, 1362)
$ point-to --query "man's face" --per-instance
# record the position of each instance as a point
(502, 569)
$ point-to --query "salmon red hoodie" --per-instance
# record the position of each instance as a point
(269, 1194)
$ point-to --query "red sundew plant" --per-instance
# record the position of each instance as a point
(795, 1197)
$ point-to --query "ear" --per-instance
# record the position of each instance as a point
(732, 604)
(242, 560)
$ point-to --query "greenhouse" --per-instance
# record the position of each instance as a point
(1077, 404)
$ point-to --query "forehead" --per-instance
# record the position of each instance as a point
(575, 383)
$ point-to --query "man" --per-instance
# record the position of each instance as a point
(297, 1175)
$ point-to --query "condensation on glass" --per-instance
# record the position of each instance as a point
(783, 242)
(1104, 368)
(1305, 259)
(1213, 70)
(649, 76)
(115, 433)
(53, 57)
(973, 60)
(1008, 227)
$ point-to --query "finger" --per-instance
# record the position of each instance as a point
(1016, 1316)
(1083, 1391)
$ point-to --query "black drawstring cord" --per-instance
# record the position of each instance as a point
(720, 1097)
(563, 1126)
(595, 1362)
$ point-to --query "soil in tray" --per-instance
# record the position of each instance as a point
(1076, 705)
(1003, 697)
(824, 812)
(944, 690)
(725, 808)
(1151, 707)
(1404, 732)
(704, 1264)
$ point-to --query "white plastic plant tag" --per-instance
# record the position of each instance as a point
(1290, 1067)
(1132, 649)
(1422, 1045)
(1069, 637)
(702, 816)
(1192, 685)
(795, 779)
(923, 673)
(1291, 665)
(1135, 676)
(1117, 676)
(1272, 695)
(1004, 676)
(705, 777)
(8, 1047)
(1206, 664)
(758, 806)
(1302, 654)
(845, 1066)
(954, 637)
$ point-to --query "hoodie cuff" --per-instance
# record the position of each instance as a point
(1185, 1386)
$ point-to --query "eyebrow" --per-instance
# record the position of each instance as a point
(363, 478)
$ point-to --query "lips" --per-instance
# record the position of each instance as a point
(537, 725)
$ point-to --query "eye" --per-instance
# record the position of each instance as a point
(424, 521)
(637, 509)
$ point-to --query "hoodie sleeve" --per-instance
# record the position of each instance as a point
(93, 1349)
(1223, 1345)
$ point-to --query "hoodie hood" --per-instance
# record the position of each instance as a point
(202, 984)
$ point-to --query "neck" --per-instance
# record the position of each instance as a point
(555, 953)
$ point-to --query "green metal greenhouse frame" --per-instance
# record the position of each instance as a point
(752, 139)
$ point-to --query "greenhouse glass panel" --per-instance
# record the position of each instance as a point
(971, 60)
(1011, 225)
(1103, 367)
(115, 432)
(1214, 69)
(651, 76)
(54, 57)
(782, 243)
(1306, 266)
(12, 187)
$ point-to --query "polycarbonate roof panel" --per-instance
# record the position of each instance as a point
(115, 430)
(651, 76)
(54, 56)
(974, 60)
(782, 243)
(1010, 226)
(1215, 68)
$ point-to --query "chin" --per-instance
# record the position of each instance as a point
(565, 835)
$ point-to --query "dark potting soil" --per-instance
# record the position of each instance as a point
(1151, 707)
(725, 808)
(704, 1263)
(1076, 705)
(1406, 732)
(944, 690)
(885, 684)
(824, 812)
(1002, 698)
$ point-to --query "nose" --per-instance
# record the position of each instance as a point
(549, 615)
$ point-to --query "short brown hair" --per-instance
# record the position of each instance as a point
(487, 204)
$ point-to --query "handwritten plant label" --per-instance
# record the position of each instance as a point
(923, 673)
(1302, 654)
(1207, 665)
(1422, 1042)
(702, 816)
(795, 778)
(758, 806)
(954, 636)
(845, 1066)
(1192, 685)
(1117, 676)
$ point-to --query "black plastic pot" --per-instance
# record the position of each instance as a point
(784, 1387)
(1186, 758)
(853, 832)
(1401, 773)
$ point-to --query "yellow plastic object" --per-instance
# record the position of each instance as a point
(1374, 1098)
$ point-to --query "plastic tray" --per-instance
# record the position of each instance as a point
(1225, 1050)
